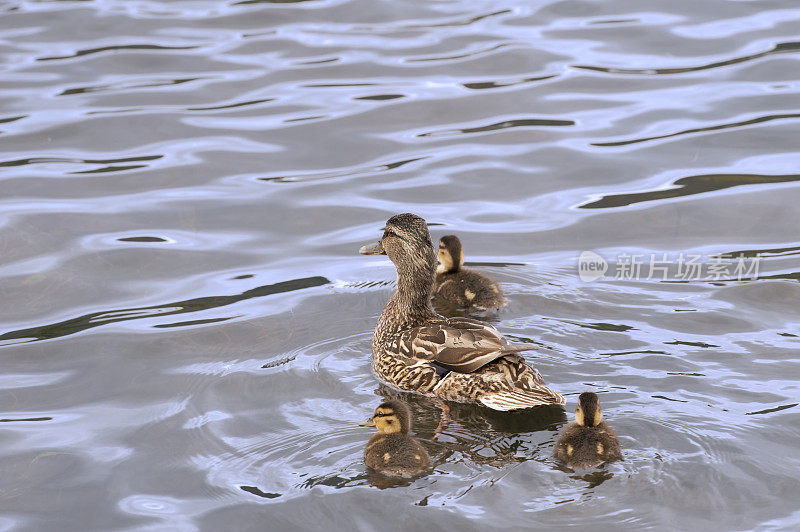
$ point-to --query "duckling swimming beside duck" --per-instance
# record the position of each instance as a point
(460, 286)
(455, 359)
(392, 450)
(589, 441)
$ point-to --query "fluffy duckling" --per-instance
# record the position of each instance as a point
(589, 441)
(392, 451)
(463, 287)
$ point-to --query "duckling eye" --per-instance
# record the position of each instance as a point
(389, 232)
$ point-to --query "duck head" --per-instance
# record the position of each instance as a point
(407, 243)
(588, 413)
(391, 417)
(451, 254)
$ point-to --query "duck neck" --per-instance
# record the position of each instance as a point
(414, 288)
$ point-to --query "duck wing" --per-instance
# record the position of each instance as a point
(458, 344)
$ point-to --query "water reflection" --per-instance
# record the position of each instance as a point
(689, 186)
(780, 48)
(483, 435)
(97, 319)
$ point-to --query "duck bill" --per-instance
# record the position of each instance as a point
(373, 249)
(369, 422)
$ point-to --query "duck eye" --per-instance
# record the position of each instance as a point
(389, 232)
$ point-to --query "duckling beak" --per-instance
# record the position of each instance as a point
(372, 249)
(369, 422)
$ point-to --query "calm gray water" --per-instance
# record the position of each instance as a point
(185, 322)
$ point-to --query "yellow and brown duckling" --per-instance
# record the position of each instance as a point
(461, 286)
(392, 450)
(589, 441)
(455, 359)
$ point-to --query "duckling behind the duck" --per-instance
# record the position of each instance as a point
(463, 287)
(392, 450)
(589, 441)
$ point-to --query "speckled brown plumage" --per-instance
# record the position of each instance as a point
(589, 441)
(413, 347)
(461, 286)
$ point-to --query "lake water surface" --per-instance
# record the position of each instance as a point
(185, 322)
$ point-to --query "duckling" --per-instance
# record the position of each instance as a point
(589, 441)
(392, 451)
(454, 359)
(461, 286)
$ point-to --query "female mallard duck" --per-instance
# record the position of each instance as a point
(392, 451)
(461, 286)
(589, 441)
(456, 359)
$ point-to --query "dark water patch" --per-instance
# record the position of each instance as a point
(517, 339)
(451, 24)
(484, 85)
(781, 48)
(335, 481)
(115, 111)
(790, 335)
(232, 105)
(600, 326)
(668, 399)
(335, 85)
(319, 61)
(191, 323)
(704, 345)
(689, 186)
(127, 86)
(613, 21)
(770, 252)
(381, 97)
(758, 120)
(635, 352)
(506, 124)
(304, 119)
(24, 419)
(118, 48)
(595, 478)
(686, 374)
(770, 410)
(97, 319)
(47, 160)
(255, 491)
(294, 178)
(245, 276)
(142, 239)
(12, 119)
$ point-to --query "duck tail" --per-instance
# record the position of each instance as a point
(521, 399)
(515, 348)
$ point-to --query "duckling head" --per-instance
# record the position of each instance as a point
(407, 243)
(588, 413)
(391, 417)
(451, 254)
